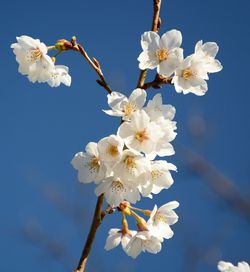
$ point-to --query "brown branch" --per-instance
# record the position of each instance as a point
(156, 22)
(99, 214)
(96, 222)
(97, 67)
(157, 82)
(63, 45)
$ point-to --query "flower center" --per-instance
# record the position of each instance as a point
(155, 174)
(141, 136)
(129, 108)
(112, 150)
(160, 217)
(162, 54)
(34, 55)
(117, 186)
(130, 162)
(94, 164)
(187, 73)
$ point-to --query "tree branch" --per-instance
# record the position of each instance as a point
(96, 222)
(63, 45)
(157, 82)
(99, 214)
(96, 66)
(156, 22)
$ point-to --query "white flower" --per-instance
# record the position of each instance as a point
(140, 134)
(122, 106)
(159, 178)
(116, 191)
(143, 241)
(156, 109)
(163, 53)
(110, 149)
(161, 218)
(207, 53)
(90, 167)
(32, 57)
(116, 236)
(228, 267)
(131, 167)
(163, 147)
(191, 76)
(54, 76)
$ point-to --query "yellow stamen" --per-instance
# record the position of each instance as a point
(141, 136)
(130, 162)
(162, 54)
(187, 73)
(112, 150)
(155, 174)
(129, 108)
(94, 164)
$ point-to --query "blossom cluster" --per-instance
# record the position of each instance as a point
(37, 65)
(125, 166)
(188, 74)
(150, 234)
(124, 169)
(229, 267)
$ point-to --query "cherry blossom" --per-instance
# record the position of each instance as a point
(116, 191)
(158, 178)
(55, 75)
(110, 149)
(90, 167)
(140, 134)
(116, 237)
(141, 242)
(155, 109)
(191, 76)
(122, 106)
(31, 54)
(229, 267)
(164, 53)
(161, 218)
(207, 52)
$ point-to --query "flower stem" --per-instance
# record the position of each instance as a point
(96, 222)
(155, 27)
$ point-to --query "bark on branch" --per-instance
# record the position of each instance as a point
(96, 222)
(156, 22)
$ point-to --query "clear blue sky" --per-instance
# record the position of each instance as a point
(42, 128)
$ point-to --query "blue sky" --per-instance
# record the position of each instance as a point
(44, 210)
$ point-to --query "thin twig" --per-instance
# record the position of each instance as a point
(63, 45)
(156, 22)
(96, 222)
(97, 67)
(157, 82)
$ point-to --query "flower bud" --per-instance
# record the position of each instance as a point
(63, 44)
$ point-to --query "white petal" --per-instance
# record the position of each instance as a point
(138, 97)
(134, 247)
(148, 60)
(91, 148)
(210, 48)
(224, 266)
(150, 41)
(171, 39)
(198, 46)
(113, 241)
(214, 66)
